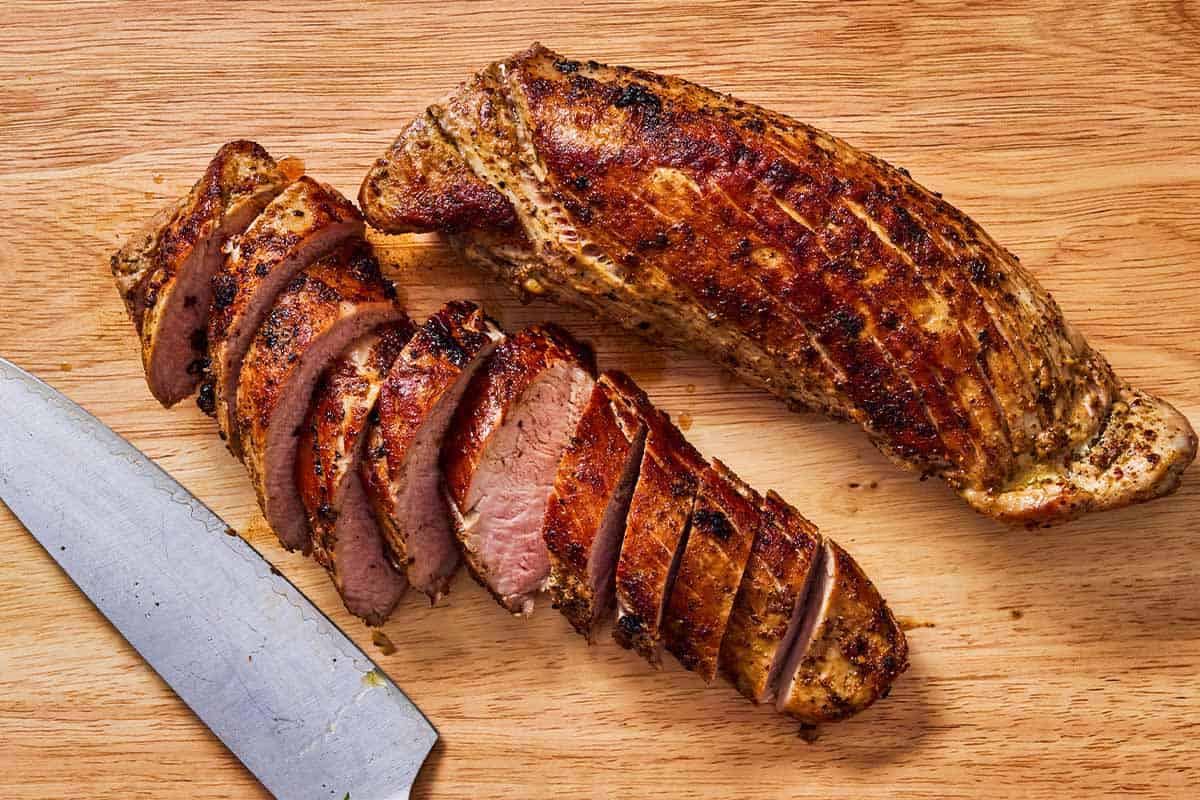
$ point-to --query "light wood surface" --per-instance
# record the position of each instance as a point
(1055, 663)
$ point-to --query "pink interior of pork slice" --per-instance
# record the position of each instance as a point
(812, 608)
(606, 547)
(370, 585)
(177, 356)
(242, 330)
(506, 500)
(284, 509)
(800, 627)
(421, 508)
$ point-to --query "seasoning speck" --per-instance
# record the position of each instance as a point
(65, 367)
(383, 642)
(685, 421)
(1016, 613)
(909, 623)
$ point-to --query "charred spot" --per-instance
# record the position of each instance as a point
(318, 469)
(379, 452)
(780, 175)
(742, 250)
(850, 323)
(566, 67)
(638, 97)
(206, 400)
(327, 512)
(981, 273)
(631, 625)
(742, 154)
(581, 183)
(198, 366)
(754, 125)
(714, 522)
(261, 270)
(985, 338)
(225, 289)
(656, 242)
(578, 210)
(1153, 458)
(643, 326)
(198, 340)
(443, 343)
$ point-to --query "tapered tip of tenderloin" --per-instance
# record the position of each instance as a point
(1140, 453)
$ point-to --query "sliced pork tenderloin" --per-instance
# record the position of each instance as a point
(333, 302)
(770, 604)
(345, 537)
(725, 520)
(166, 277)
(400, 467)
(849, 649)
(585, 515)
(303, 223)
(500, 454)
(656, 531)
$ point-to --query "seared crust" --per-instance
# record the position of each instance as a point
(724, 523)
(345, 288)
(436, 190)
(138, 258)
(305, 221)
(807, 267)
(770, 599)
(856, 651)
(607, 436)
(655, 528)
(427, 368)
(176, 293)
(511, 368)
(332, 440)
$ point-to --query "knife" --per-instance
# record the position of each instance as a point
(296, 701)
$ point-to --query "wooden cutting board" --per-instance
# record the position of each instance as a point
(1044, 664)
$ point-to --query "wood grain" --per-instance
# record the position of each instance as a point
(1057, 663)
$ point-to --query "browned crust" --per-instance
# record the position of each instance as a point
(241, 177)
(333, 432)
(857, 650)
(138, 258)
(343, 283)
(421, 184)
(587, 477)
(804, 265)
(293, 223)
(495, 389)
(426, 369)
(773, 586)
(724, 522)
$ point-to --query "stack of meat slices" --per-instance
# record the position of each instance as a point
(392, 452)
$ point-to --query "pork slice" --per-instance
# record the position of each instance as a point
(500, 453)
(304, 222)
(656, 532)
(169, 273)
(333, 302)
(345, 538)
(416, 404)
(849, 649)
(725, 520)
(585, 514)
(769, 607)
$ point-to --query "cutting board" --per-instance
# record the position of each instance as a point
(1044, 664)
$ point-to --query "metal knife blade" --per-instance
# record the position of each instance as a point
(304, 709)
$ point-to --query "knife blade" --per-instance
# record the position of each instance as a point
(307, 711)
